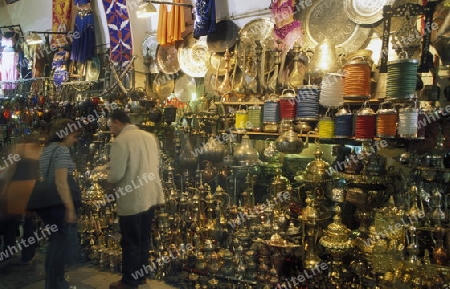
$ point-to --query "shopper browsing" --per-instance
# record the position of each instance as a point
(56, 164)
(134, 153)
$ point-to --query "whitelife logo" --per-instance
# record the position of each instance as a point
(120, 191)
(72, 127)
(146, 269)
(11, 250)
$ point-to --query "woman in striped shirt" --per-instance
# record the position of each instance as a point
(56, 165)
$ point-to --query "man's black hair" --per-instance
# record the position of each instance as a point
(119, 115)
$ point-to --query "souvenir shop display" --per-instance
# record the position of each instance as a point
(280, 167)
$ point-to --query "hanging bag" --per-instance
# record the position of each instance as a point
(44, 194)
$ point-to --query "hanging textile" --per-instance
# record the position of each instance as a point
(38, 63)
(59, 66)
(119, 31)
(205, 21)
(61, 15)
(286, 29)
(171, 23)
(83, 45)
(10, 58)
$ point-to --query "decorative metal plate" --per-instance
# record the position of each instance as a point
(93, 69)
(365, 11)
(149, 47)
(166, 59)
(258, 29)
(193, 56)
(185, 86)
(321, 20)
(163, 86)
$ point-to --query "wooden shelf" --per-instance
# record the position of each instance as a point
(270, 133)
(374, 101)
(239, 103)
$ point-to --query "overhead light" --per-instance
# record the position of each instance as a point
(145, 9)
(33, 38)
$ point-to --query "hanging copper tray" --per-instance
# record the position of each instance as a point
(320, 22)
(185, 86)
(365, 12)
(193, 55)
(166, 59)
(258, 29)
(163, 86)
(149, 47)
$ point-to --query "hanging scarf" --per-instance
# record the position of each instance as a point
(205, 22)
(170, 24)
(119, 31)
(62, 12)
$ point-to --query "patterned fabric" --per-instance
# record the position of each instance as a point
(119, 31)
(205, 22)
(62, 12)
(286, 30)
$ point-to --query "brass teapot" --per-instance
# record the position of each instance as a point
(245, 154)
(270, 153)
(290, 143)
(214, 150)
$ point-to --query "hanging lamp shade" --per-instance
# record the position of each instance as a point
(33, 38)
(145, 9)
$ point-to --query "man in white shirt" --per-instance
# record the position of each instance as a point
(134, 171)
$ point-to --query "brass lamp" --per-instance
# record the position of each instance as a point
(323, 61)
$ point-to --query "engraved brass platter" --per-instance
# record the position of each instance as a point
(365, 12)
(166, 59)
(260, 29)
(321, 20)
(163, 86)
(193, 55)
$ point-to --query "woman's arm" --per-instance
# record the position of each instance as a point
(62, 185)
